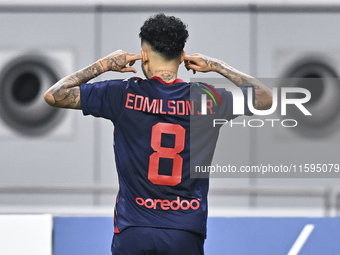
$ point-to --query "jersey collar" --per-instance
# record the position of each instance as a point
(167, 83)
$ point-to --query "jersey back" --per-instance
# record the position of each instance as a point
(160, 134)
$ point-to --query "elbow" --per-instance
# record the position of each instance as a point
(48, 97)
(263, 99)
(268, 100)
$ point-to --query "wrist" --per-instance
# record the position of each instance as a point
(103, 64)
(219, 66)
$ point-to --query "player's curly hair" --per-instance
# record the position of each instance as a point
(167, 35)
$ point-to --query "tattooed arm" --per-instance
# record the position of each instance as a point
(201, 63)
(66, 92)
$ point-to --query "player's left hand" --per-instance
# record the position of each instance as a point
(200, 63)
(118, 60)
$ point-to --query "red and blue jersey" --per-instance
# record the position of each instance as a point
(160, 134)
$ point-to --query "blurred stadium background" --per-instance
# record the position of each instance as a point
(57, 169)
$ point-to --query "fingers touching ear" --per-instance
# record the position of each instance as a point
(145, 57)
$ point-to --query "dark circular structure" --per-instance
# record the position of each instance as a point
(23, 82)
(321, 80)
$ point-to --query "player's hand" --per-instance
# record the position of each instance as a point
(118, 60)
(200, 63)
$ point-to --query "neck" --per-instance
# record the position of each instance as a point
(165, 74)
(154, 64)
(166, 70)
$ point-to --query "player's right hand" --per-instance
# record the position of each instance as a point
(118, 60)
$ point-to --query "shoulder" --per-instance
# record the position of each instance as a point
(208, 88)
(107, 85)
(134, 81)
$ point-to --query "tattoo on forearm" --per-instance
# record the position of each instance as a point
(95, 70)
(262, 101)
(263, 95)
(67, 91)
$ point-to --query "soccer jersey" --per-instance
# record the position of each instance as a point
(160, 133)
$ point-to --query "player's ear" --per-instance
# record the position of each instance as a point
(182, 56)
(145, 57)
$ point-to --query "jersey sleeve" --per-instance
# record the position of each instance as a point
(103, 99)
(227, 99)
